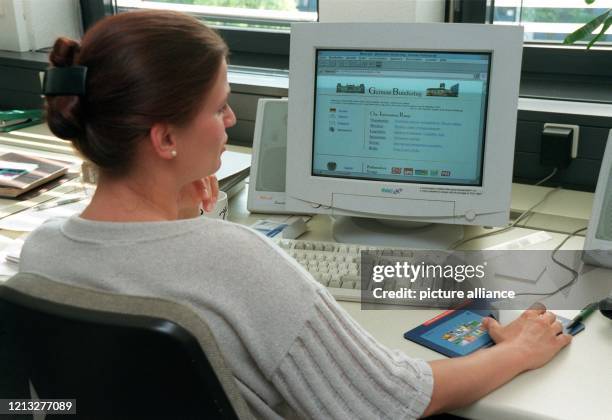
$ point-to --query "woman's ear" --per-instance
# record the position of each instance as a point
(163, 141)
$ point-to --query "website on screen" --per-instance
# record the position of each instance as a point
(401, 116)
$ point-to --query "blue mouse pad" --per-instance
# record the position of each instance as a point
(457, 333)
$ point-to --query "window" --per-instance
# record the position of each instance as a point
(257, 31)
(550, 70)
(263, 14)
(550, 22)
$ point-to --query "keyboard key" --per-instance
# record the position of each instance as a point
(354, 277)
(335, 283)
(348, 284)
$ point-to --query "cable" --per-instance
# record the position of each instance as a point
(518, 219)
(540, 182)
(530, 209)
(554, 172)
(568, 268)
(513, 224)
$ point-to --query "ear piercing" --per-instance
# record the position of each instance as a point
(173, 153)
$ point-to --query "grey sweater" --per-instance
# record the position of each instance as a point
(292, 348)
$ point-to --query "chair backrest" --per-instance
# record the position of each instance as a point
(118, 356)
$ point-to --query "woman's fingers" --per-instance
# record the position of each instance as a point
(214, 188)
(564, 339)
(549, 317)
(199, 188)
(535, 310)
(557, 327)
(493, 327)
(211, 192)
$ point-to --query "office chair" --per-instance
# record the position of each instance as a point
(118, 356)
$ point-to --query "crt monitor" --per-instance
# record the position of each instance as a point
(402, 123)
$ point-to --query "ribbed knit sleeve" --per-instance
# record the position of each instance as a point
(336, 370)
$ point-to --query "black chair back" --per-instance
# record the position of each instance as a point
(116, 366)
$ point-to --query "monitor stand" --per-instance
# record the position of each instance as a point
(394, 233)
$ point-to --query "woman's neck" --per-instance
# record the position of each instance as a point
(132, 199)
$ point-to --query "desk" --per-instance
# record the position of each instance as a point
(575, 385)
(37, 140)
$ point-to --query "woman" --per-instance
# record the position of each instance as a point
(152, 116)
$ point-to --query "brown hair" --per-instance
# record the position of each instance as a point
(142, 68)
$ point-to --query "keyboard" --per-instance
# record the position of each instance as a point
(337, 266)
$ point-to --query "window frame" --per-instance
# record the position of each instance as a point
(254, 47)
(257, 48)
(94, 10)
(582, 71)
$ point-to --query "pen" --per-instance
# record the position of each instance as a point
(58, 203)
(584, 313)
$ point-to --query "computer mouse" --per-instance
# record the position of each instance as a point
(605, 306)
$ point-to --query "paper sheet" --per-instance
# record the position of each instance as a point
(519, 265)
(28, 220)
(13, 246)
(232, 163)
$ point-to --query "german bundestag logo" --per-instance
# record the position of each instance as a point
(442, 91)
(340, 88)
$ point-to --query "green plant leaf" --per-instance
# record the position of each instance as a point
(601, 33)
(589, 1)
(587, 29)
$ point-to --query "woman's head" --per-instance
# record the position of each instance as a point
(143, 68)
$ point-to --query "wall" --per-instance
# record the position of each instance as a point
(12, 26)
(582, 172)
(28, 25)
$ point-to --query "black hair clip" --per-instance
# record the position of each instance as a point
(65, 81)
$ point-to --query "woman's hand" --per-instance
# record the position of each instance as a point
(536, 334)
(201, 193)
(526, 343)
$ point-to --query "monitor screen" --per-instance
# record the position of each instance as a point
(401, 116)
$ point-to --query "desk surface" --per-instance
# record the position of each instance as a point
(576, 384)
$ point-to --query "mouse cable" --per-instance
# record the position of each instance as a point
(568, 268)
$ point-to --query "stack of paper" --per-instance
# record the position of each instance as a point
(235, 167)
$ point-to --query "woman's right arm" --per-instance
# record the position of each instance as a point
(527, 343)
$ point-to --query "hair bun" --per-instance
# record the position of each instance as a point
(64, 52)
(63, 115)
